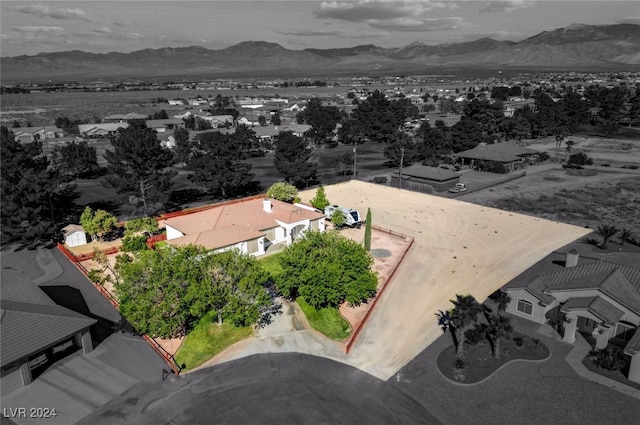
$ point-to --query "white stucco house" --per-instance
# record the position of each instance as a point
(250, 226)
(597, 298)
(74, 235)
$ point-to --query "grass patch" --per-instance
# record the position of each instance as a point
(328, 321)
(272, 264)
(208, 339)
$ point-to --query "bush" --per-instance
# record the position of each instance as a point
(519, 341)
(134, 243)
(607, 358)
(579, 160)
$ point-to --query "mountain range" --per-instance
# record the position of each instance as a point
(577, 47)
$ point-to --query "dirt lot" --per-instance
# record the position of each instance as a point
(459, 248)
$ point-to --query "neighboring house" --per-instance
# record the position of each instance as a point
(167, 140)
(74, 235)
(123, 118)
(176, 102)
(31, 134)
(421, 178)
(508, 154)
(101, 129)
(36, 332)
(250, 226)
(165, 125)
(595, 297)
(218, 120)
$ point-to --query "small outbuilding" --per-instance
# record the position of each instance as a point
(74, 235)
(421, 178)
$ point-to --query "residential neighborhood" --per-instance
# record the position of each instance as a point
(201, 229)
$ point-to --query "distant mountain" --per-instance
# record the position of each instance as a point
(576, 47)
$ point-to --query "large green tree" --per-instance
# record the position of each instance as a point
(35, 199)
(183, 146)
(216, 167)
(165, 292)
(75, 159)
(322, 119)
(97, 223)
(292, 160)
(375, 120)
(327, 269)
(282, 192)
(138, 167)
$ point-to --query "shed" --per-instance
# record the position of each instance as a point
(74, 235)
(421, 178)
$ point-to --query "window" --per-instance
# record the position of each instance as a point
(525, 307)
(625, 331)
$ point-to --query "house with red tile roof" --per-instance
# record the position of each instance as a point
(250, 226)
(595, 297)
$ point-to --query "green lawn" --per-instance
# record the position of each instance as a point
(271, 264)
(208, 339)
(327, 321)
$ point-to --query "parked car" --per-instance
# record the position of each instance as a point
(458, 188)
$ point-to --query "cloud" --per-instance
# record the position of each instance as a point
(44, 11)
(38, 30)
(310, 33)
(506, 5)
(102, 30)
(134, 36)
(631, 20)
(424, 24)
(392, 15)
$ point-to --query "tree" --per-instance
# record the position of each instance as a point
(502, 299)
(401, 148)
(626, 235)
(292, 160)
(183, 146)
(75, 159)
(498, 327)
(634, 111)
(216, 168)
(138, 225)
(322, 119)
(579, 160)
(137, 166)
(262, 120)
(444, 321)
(98, 222)
(275, 119)
(343, 163)
(282, 192)
(159, 115)
(164, 292)
(34, 197)
(337, 218)
(320, 201)
(465, 312)
(367, 232)
(606, 231)
(327, 269)
(67, 125)
(374, 119)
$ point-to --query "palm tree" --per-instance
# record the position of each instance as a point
(499, 327)
(465, 312)
(444, 321)
(607, 231)
(502, 299)
(626, 235)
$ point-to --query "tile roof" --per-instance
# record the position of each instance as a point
(217, 238)
(621, 283)
(243, 216)
(502, 152)
(72, 228)
(430, 173)
(30, 320)
(596, 305)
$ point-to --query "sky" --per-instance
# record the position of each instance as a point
(29, 28)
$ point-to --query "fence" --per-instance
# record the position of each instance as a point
(356, 332)
(168, 358)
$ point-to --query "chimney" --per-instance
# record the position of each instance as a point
(572, 259)
(266, 205)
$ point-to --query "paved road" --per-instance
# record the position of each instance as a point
(267, 389)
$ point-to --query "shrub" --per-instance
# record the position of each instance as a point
(459, 364)
(519, 341)
(282, 191)
(607, 358)
(134, 243)
(320, 201)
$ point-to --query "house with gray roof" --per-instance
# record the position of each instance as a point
(508, 154)
(591, 296)
(35, 331)
(425, 179)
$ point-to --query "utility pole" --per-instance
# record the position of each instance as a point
(400, 171)
(355, 160)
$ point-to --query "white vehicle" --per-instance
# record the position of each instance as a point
(458, 188)
(351, 217)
